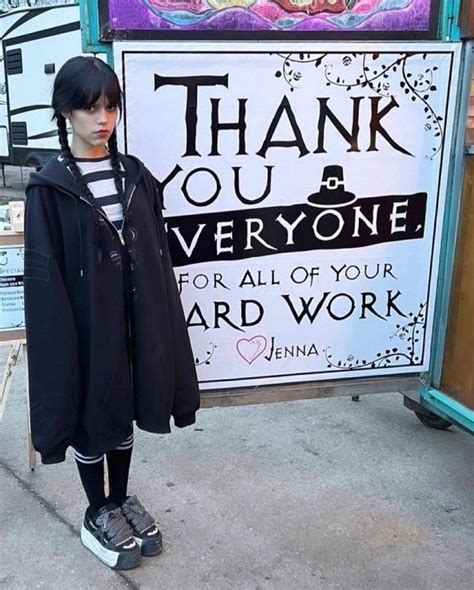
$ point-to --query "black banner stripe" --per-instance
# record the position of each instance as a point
(261, 232)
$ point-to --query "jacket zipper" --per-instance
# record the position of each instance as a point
(127, 206)
(112, 226)
(104, 216)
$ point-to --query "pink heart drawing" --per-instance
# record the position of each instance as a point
(251, 349)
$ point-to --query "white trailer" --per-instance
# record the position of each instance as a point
(35, 43)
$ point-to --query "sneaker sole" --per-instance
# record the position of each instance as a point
(116, 560)
(150, 547)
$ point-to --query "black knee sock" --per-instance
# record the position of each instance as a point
(118, 464)
(92, 478)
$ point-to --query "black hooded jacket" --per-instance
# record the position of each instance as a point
(101, 353)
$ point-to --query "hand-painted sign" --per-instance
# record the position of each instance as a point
(142, 19)
(304, 194)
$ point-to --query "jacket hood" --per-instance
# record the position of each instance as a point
(56, 174)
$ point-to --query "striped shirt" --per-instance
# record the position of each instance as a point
(99, 176)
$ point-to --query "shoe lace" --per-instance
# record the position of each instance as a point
(113, 523)
(136, 514)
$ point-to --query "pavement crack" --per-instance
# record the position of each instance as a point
(309, 449)
(51, 510)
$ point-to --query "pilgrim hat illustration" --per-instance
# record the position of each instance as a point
(332, 193)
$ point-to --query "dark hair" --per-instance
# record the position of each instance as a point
(80, 82)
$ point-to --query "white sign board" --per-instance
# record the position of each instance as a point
(12, 316)
(304, 189)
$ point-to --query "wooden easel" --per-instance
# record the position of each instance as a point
(8, 375)
(16, 340)
(15, 348)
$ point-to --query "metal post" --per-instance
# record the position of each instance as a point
(30, 447)
(90, 27)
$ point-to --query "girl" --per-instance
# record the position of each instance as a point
(107, 339)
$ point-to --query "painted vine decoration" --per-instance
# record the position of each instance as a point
(374, 74)
(290, 71)
(409, 334)
(209, 354)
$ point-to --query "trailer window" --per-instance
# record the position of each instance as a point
(14, 62)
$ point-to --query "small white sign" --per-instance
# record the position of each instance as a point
(17, 215)
(12, 315)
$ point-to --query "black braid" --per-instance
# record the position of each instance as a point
(118, 174)
(72, 164)
(128, 230)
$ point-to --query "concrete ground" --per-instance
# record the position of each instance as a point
(321, 494)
